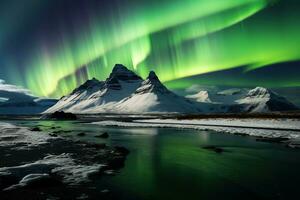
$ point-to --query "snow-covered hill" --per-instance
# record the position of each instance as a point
(238, 100)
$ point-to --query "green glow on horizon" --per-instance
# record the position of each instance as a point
(175, 38)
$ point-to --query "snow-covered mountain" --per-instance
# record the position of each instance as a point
(228, 96)
(202, 96)
(100, 96)
(125, 92)
(15, 100)
(153, 96)
(257, 100)
(264, 100)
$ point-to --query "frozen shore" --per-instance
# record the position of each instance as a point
(33, 162)
(288, 129)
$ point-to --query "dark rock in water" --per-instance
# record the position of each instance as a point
(97, 146)
(54, 127)
(272, 140)
(103, 135)
(81, 134)
(121, 150)
(61, 115)
(36, 129)
(214, 148)
(116, 162)
(53, 134)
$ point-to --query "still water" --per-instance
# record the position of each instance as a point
(172, 164)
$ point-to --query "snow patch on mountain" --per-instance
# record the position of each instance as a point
(201, 96)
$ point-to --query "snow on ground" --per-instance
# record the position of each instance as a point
(249, 123)
(62, 165)
(273, 128)
(34, 165)
(68, 166)
(21, 137)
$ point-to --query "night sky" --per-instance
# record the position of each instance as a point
(52, 46)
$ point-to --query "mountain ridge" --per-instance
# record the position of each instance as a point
(257, 100)
(153, 96)
(126, 92)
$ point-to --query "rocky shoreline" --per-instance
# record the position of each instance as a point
(35, 165)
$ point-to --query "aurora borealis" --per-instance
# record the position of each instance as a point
(51, 46)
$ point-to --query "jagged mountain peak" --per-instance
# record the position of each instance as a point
(89, 84)
(119, 74)
(119, 68)
(152, 76)
(152, 84)
(97, 96)
(262, 99)
(122, 73)
(153, 79)
(264, 93)
(260, 92)
(153, 96)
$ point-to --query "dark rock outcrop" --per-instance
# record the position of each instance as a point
(81, 134)
(103, 135)
(36, 129)
(60, 115)
(214, 148)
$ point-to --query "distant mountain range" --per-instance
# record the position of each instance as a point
(279, 77)
(26, 106)
(257, 100)
(125, 92)
(15, 100)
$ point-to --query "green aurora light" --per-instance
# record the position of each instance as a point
(175, 38)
